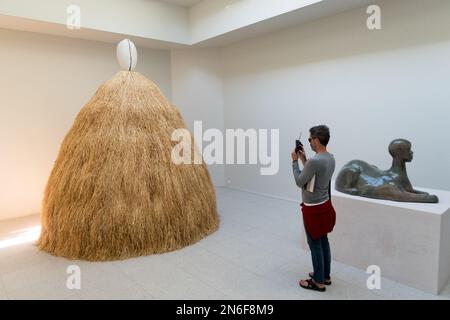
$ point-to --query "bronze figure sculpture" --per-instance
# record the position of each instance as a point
(362, 179)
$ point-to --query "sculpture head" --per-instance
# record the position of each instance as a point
(401, 149)
(319, 136)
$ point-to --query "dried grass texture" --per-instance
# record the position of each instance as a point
(114, 191)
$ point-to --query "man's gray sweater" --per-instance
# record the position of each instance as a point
(321, 166)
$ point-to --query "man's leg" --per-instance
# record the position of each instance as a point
(317, 258)
(326, 257)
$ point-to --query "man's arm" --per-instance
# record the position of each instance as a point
(302, 177)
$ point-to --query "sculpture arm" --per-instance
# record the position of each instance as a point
(410, 189)
(418, 191)
(303, 176)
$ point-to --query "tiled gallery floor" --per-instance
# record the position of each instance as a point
(255, 255)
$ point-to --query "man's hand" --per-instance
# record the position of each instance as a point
(300, 155)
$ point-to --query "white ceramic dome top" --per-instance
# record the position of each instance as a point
(127, 55)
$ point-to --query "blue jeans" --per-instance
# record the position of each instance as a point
(321, 257)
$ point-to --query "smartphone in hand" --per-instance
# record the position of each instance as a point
(298, 144)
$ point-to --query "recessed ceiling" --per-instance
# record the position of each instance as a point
(184, 3)
(184, 34)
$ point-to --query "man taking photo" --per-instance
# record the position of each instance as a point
(319, 216)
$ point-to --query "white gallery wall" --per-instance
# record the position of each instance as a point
(44, 82)
(197, 91)
(370, 87)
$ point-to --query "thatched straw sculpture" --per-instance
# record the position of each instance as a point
(114, 191)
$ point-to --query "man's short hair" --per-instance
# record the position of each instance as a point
(322, 133)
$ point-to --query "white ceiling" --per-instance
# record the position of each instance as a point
(179, 30)
(184, 3)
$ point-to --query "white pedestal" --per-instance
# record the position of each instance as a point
(410, 242)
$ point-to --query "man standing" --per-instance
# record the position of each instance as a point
(319, 216)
